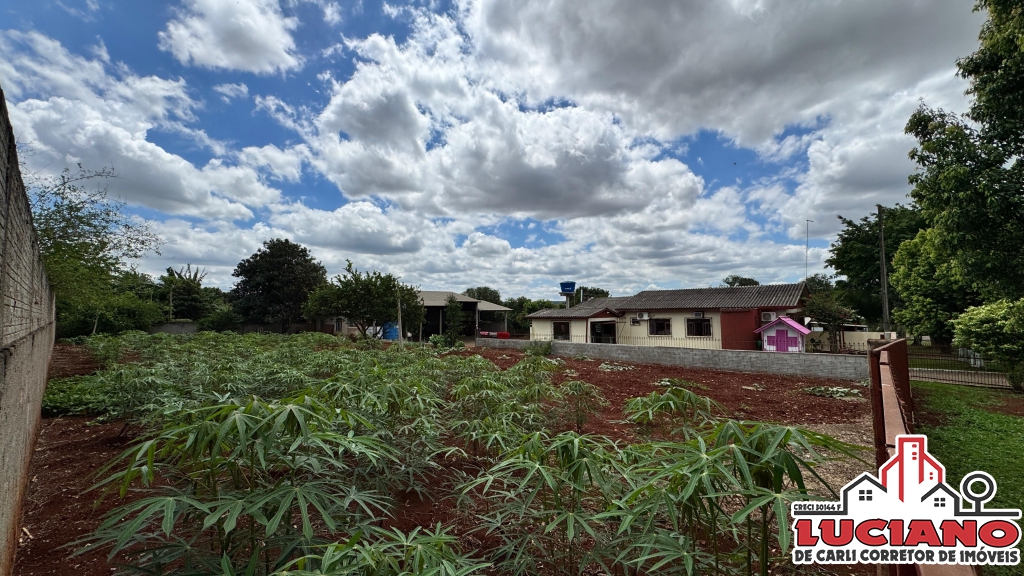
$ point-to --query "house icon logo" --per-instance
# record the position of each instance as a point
(908, 515)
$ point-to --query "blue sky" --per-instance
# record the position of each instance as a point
(498, 142)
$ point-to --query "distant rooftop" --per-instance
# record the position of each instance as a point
(440, 298)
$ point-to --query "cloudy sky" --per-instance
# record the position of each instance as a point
(510, 143)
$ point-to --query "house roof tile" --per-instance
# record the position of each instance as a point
(764, 296)
(586, 309)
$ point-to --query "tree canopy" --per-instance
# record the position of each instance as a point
(733, 280)
(183, 295)
(366, 299)
(274, 283)
(970, 179)
(817, 283)
(969, 187)
(521, 307)
(855, 258)
(588, 292)
(997, 331)
(933, 292)
(484, 293)
(85, 239)
(823, 307)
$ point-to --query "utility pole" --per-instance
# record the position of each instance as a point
(885, 274)
(400, 333)
(807, 247)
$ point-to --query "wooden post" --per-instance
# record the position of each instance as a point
(401, 334)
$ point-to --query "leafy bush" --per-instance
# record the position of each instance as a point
(832, 392)
(995, 330)
(222, 319)
(78, 395)
(582, 400)
(538, 348)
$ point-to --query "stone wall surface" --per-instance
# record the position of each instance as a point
(26, 340)
(839, 366)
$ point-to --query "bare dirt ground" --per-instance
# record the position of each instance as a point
(59, 510)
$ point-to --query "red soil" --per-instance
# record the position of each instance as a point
(70, 451)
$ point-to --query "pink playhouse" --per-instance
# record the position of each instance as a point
(783, 335)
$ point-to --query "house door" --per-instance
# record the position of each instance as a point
(602, 332)
(783, 342)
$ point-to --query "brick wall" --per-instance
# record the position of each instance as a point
(26, 340)
(841, 366)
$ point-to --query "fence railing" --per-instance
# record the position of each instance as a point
(955, 366)
(892, 414)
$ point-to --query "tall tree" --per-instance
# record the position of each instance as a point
(366, 299)
(855, 258)
(85, 239)
(484, 293)
(733, 280)
(521, 307)
(274, 283)
(454, 322)
(824, 308)
(182, 294)
(817, 283)
(933, 291)
(970, 179)
(588, 292)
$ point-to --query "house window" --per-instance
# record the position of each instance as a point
(940, 502)
(659, 327)
(560, 330)
(338, 324)
(864, 495)
(698, 326)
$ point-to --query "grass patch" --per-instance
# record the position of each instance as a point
(967, 432)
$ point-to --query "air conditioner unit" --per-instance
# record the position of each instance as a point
(768, 316)
(698, 314)
(643, 316)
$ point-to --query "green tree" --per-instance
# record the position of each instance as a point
(84, 240)
(588, 292)
(855, 258)
(823, 307)
(454, 321)
(819, 283)
(970, 177)
(996, 330)
(274, 283)
(931, 288)
(521, 308)
(735, 280)
(484, 293)
(181, 293)
(366, 299)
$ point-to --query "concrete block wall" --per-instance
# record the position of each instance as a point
(839, 366)
(26, 340)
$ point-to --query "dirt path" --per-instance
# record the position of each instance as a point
(69, 452)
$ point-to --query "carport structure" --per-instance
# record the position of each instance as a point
(435, 301)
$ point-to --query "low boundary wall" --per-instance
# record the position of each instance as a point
(26, 340)
(839, 366)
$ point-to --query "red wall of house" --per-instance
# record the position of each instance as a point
(738, 329)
